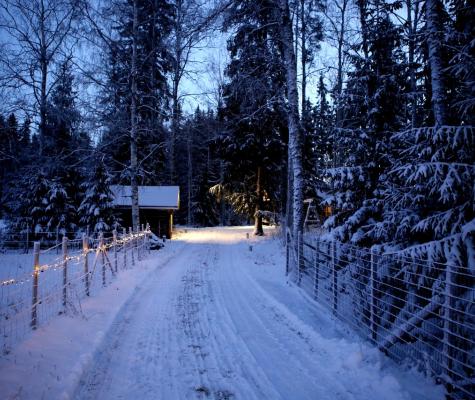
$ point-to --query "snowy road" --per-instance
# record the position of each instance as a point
(219, 322)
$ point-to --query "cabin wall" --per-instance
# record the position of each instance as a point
(160, 221)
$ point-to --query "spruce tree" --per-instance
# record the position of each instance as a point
(253, 111)
(373, 103)
(96, 208)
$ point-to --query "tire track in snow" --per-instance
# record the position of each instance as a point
(290, 368)
(223, 348)
(129, 360)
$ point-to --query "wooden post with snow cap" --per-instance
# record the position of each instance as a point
(85, 250)
(36, 272)
(114, 238)
(131, 233)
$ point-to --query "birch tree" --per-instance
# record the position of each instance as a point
(192, 23)
(295, 133)
(36, 38)
(134, 188)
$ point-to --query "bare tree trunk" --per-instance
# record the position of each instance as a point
(133, 129)
(288, 203)
(174, 128)
(189, 176)
(44, 75)
(339, 76)
(295, 134)
(258, 230)
(411, 24)
(434, 26)
(303, 33)
(364, 28)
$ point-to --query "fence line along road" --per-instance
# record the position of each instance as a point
(81, 269)
(412, 309)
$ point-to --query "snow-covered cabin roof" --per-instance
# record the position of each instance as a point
(158, 197)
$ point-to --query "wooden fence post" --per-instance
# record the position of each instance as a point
(114, 237)
(317, 266)
(335, 279)
(65, 270)
(85, 249)
(124, 246)
(131, 233)
(103, 258)
(373, 268)
(36, 272)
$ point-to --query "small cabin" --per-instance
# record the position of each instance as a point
(156, 206)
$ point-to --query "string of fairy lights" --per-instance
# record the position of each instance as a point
(74, 258)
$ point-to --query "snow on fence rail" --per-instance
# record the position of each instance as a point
(58, 284)
(413, 310)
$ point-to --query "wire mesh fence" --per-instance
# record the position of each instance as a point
(58, 281)
(416, 311)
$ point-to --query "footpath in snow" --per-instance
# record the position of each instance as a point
(204, 318)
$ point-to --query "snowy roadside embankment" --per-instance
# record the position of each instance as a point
(48, 364)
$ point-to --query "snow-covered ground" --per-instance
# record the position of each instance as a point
(210, 316)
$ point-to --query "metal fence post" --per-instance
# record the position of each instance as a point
(447, 317)
(36, 272)
(114, 238)
(101, 249)
(317, 266)
(335, 279)
(65, 270)
(131, 233)
(85, 249)
(373, 268)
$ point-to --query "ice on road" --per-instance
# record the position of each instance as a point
(219, 321)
